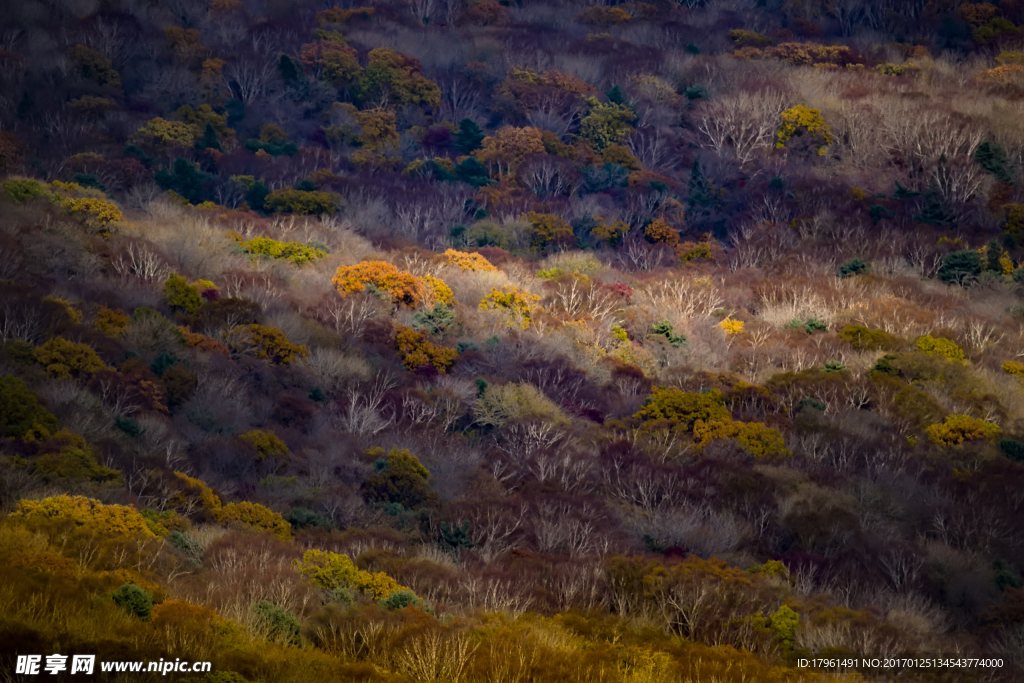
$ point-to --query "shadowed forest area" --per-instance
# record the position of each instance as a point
(512, 342)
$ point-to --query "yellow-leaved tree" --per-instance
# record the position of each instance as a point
(416, 350)
(64, 359)
(549, 229)
(82, 511)
(438, 291)
(806, 125)
(266, 445)
(756, 438)
(336, 571)
(684, 408)
(255, 517)
(267, 343)
(100, 215)
(957, 429)
(731, 326)
(193, 495)
(940, 346)
(516, 401)
(517, 305)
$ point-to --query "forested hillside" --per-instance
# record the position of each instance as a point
(467, 340)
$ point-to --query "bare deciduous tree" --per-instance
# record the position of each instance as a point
(459, 99)
(140, 261)
(901, 566)
(365, 413)
(249, 77)
(423, 10)
(744, 122)
(653, 148)
(437, 656)
(549, 176)
(21, 320)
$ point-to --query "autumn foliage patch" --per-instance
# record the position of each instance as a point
(485, 341)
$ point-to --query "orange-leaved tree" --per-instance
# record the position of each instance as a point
(1004, 75)
(403, 287)
(468, 261)
(509, 147)
(659, 231)
(202, 342)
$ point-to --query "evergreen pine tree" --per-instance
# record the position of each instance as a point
(993, 159)
(469, 137)
(288, 68)
(992, 254)
(703, 197)
(934, 211)
(208, 140)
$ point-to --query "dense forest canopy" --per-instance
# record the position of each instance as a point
(482, 340)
